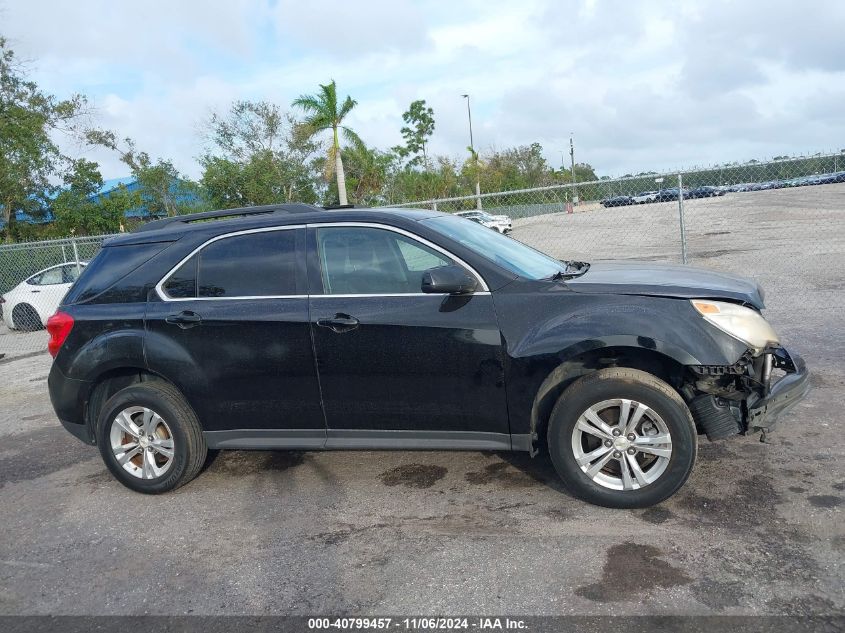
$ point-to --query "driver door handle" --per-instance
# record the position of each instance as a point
(339, 323)
(184, 319)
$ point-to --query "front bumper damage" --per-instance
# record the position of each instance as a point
(790, 389)
(746, 397)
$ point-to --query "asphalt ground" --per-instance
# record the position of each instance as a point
(758, 528)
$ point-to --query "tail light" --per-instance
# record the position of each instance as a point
(59, 326)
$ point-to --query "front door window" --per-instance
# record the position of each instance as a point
(371, 261)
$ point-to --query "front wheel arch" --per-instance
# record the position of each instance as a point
(662, 366)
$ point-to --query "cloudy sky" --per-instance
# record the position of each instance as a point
(642, 85)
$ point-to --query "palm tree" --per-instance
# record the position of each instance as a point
(322, 113)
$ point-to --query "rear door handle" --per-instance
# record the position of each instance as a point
(339, 323)
(184, 319)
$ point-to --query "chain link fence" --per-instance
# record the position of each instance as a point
(34, 277)
(780, 222)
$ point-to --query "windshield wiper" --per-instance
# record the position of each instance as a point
(573, 269)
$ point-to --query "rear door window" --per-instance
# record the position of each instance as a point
(261, 264)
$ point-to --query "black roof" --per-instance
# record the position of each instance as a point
(226, 220)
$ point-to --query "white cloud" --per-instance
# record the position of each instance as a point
(642, 85)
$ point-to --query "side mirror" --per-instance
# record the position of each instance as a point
(452, 280)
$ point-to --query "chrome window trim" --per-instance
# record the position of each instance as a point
(485, 289)
(439, 295)
(159, 288)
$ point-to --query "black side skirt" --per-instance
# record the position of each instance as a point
(313, 439)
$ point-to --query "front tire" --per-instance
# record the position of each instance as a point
(150, 438)
(622, 438)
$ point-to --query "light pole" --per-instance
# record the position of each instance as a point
(474, 156)
(563, 171)
(572, 158)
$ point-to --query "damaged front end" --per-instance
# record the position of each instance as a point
(747, 396)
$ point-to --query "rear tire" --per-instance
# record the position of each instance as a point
(622, 438)
(150, 438)
(26, 318)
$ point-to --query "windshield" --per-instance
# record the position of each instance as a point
(505, 251)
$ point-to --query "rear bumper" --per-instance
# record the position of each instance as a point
(68, 399)
(79, 431)
(763, 414)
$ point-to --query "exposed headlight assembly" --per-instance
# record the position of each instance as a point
(742, 323)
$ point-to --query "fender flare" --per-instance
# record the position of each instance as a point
(566, 370)
(111, 350)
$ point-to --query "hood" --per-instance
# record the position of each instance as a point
(665, 280)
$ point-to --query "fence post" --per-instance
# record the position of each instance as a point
(681, 218)
(434, 206)
(76, 256)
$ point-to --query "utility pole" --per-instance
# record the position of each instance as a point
(572, 158)
(681, 219)
(563, 170)
(474, 157)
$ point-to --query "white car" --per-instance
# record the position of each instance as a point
(645, 196)
(28, 305)
(500, 223)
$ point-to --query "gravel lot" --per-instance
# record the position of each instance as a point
(758, 529)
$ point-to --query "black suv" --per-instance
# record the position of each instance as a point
(295, 327)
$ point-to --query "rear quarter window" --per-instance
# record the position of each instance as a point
(111, 265)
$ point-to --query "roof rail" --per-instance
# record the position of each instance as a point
(227, 213)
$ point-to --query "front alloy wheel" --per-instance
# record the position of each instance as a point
(622, 444)
(622, 438)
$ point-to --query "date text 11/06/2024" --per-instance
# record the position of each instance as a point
(417, 624)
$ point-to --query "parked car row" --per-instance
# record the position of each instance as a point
(803, 181)
(501, 223)
(706, 191)
(664, 195)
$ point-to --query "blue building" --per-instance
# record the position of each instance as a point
(182, 193)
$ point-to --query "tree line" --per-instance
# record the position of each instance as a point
(253, 153)
(260, 152)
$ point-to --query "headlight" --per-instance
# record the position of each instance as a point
(740, 322)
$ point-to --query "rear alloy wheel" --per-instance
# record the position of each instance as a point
(142, 442)
(150, 438)
(622, 438)
(26, 318)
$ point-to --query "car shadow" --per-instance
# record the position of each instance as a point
(539, 468)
